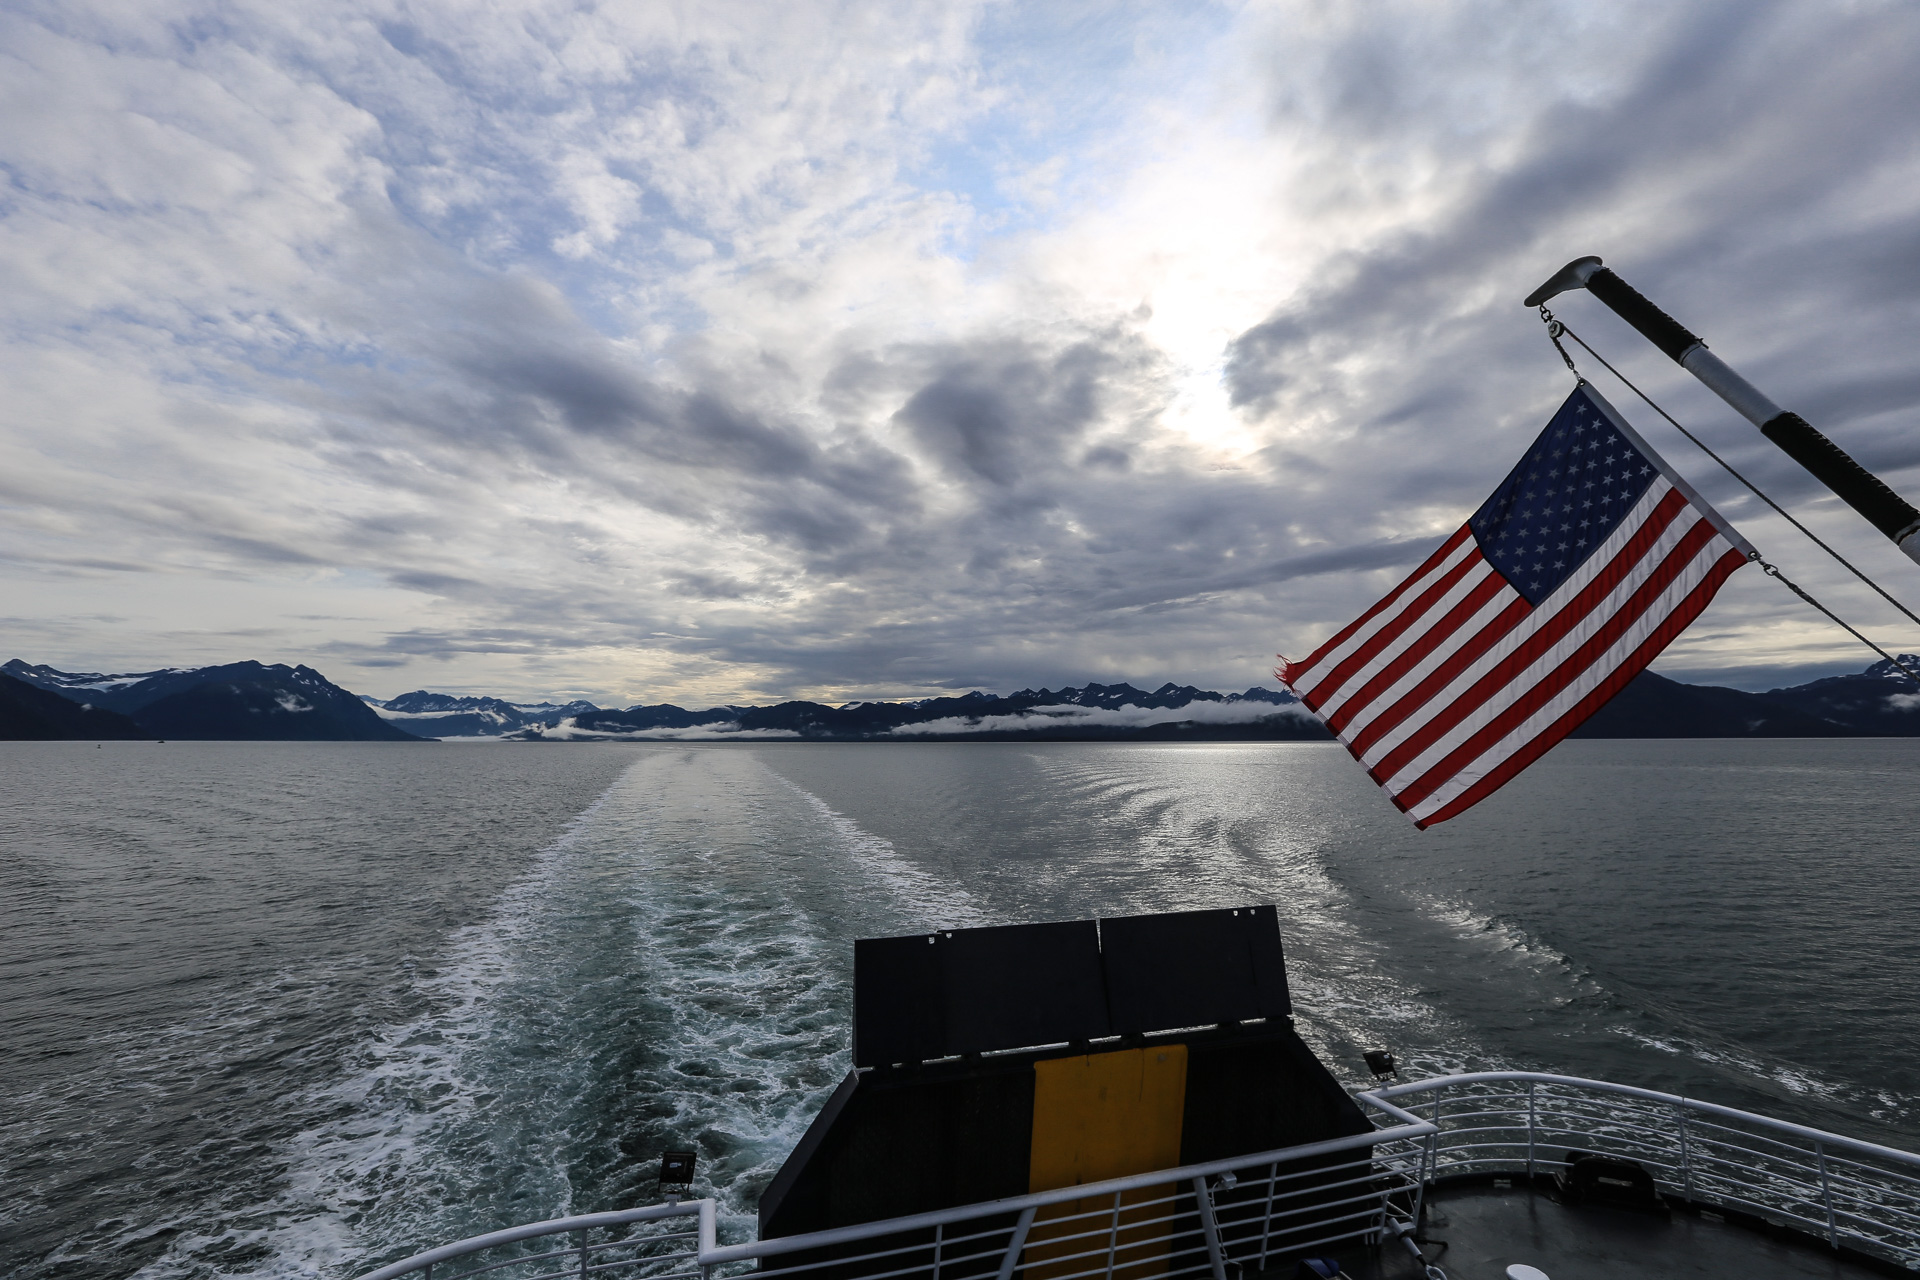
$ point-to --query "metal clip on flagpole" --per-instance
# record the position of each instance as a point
(1865, 492)
(1554, 331)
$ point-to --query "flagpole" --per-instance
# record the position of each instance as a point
(1865, 492)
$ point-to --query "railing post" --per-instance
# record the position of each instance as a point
(1210, 1229)
(1686, 1157)
(1379, 1232)
(583, 1253)
(1531, 1084)
(1016, 1244)
(1826, 1195)
(1419, 1199)
(939, 1234)
(1266, 1224)
(706, 1234)
(1433, 1140)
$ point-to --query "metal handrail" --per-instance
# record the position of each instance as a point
(1712, 1154)
(709, 1252)
(1379, 1096)
(531, 1230)
(713, 1254)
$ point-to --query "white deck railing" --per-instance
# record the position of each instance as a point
(1203, 1219)
(1193, 1220)
(1852, 1194)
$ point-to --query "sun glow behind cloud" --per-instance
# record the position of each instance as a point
(708, 352)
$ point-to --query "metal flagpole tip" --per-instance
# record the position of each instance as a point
(1572, 276)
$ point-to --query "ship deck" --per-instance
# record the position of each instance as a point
(1488, 1226)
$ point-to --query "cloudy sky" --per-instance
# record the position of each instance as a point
(710, 352)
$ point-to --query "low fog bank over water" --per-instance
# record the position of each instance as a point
(296, 1009)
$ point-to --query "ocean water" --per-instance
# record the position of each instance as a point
(278, 1010)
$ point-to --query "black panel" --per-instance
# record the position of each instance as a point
(891, 1144)
(798, 1193)
(933, 1145)
(1023, 984)
(1194, 969)
(976, 990)
(1259, 1094)
(898, 1012)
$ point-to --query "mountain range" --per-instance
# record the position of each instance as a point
(249, 700)
(1096, 712)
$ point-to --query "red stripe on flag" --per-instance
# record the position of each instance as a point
(1621, 621)
(1671, 626)
(1496, 630)
(1390, 631)
(1289, 672)
(1589, 598)
(1430, 640)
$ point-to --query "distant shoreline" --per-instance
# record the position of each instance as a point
(254, 702)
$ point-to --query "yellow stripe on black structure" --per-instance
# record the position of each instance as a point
(1105, 1115)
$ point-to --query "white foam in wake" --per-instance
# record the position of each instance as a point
(407, 1082)
(935, 902)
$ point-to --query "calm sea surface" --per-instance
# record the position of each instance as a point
(299, 1009)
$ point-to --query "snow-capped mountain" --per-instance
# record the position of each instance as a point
(446, 715)
(95, 688)
(239, 700)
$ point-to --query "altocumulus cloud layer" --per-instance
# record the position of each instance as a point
(715, 352)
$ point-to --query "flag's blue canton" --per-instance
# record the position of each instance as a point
(1569, 492)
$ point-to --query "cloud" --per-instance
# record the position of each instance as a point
(1128, 716)
(711, 354)
(724, 731)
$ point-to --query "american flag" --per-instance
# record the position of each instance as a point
(1587, 561)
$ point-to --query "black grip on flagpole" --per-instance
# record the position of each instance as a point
(1655, 325)
(1862, 490)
